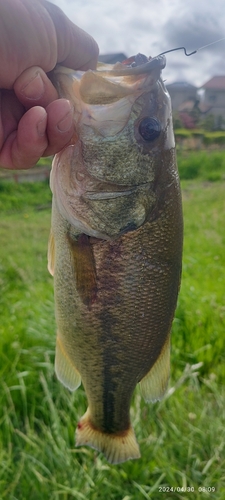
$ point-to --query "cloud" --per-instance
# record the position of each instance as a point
(152, 27)
(194, 30)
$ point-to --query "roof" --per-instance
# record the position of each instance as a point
(181, 85)
(112, 58)
(215, 83)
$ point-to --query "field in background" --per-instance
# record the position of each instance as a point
(182, 438)
(205, 164)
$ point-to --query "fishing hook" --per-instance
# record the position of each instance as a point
(179, 48)
(194, 51)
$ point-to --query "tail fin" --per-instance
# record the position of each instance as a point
(117, 447)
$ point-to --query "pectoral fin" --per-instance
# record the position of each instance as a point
(51, 254)
(65, 370)
(84, 267)
(154, 384)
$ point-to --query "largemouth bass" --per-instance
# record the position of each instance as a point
(115, 246)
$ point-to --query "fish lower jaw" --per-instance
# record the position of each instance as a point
(117, 448)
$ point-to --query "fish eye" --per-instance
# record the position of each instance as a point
(149, 129)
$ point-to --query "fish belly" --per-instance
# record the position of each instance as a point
(115, 302)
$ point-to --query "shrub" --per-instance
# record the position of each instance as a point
(182, 133)
(208, 166)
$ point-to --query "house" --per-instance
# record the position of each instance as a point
(213, 97)
(181, 92)
(112, 58)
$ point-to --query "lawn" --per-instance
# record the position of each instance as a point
(182, 438)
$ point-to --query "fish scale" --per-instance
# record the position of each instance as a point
(115, 252)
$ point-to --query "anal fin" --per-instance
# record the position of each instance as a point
(65, 371)
(154, 384)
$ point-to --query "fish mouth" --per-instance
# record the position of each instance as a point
(103, 99)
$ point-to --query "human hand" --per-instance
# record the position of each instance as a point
(35, 35)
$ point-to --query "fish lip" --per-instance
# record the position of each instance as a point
(158, 62)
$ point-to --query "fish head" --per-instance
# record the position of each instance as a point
(106, 182)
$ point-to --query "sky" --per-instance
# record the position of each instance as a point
(152, 27)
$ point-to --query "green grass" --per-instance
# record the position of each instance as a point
(182, 438)
(20, 197)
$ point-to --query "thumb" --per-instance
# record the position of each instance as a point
(76, 48)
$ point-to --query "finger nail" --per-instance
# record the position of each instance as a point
(34, 89)
(41, 126)
(66, 123)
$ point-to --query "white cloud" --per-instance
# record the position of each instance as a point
(150, 27)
